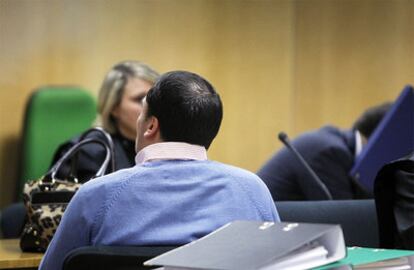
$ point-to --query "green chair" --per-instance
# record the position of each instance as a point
(54, 114)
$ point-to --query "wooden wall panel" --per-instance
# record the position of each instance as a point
(253, 71)
(349, 55)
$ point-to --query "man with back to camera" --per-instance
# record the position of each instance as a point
(174, 194)
(330, 152)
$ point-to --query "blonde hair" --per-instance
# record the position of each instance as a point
(112, 89)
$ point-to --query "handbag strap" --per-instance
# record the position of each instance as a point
(51, 174)
(108, 139)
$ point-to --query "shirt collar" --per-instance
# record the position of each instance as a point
(171, 150)
(358, 143)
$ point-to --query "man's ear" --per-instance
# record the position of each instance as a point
(153, 128)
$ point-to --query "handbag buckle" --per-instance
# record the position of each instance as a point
(46, 184)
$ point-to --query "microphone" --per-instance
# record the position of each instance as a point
(283, 137)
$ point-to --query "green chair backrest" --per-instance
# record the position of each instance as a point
(54, 114)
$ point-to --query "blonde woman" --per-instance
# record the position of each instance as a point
(119, 105)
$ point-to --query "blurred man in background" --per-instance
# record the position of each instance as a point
(330, 152)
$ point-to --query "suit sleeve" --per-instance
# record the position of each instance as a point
(332, 166)
(279, 174)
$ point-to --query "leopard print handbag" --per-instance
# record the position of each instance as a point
(46, 199)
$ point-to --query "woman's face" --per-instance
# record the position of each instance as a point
(127, 112)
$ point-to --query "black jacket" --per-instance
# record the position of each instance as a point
(91, 156)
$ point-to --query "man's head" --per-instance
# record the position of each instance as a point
(370, 119)
(181, 107)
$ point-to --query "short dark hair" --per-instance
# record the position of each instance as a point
(187, 107)
(370, 119)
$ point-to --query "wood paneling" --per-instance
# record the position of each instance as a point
(350, 55)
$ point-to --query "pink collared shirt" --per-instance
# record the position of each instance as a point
(171, 150)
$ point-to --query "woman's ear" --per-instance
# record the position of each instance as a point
(115, 112)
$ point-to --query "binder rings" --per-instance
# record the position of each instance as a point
(259, 245)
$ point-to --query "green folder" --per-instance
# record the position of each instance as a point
(359, 255)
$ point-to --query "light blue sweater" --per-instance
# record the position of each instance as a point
(159, 203)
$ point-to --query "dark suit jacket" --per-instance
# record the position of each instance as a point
(91, 156)
(329, 152)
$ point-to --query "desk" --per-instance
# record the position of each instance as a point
(12, 257)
